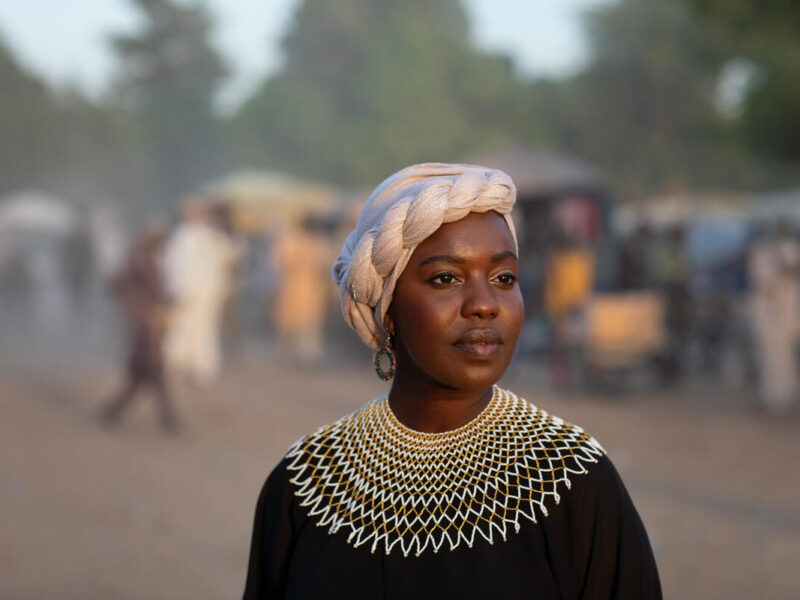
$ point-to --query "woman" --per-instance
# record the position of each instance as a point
(448, 486)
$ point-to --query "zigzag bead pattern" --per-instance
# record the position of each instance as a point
(390, 487)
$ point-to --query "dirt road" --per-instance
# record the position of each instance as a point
(89, 512)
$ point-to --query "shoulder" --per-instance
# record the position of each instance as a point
(585, 480)
(602, 486)
(333, 433)
(276, 486)
(552, 436)
(328, 449)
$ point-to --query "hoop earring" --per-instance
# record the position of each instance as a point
(385, 351)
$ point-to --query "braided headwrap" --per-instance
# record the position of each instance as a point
(405, 209)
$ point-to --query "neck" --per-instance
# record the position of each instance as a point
(432, 408)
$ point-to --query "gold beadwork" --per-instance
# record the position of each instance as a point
(393, 486)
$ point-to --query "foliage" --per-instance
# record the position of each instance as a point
(101, 154)
(168, 76)
(644, 107)
(768, 33)
(60, 141)
(371, 86)
(27, 117)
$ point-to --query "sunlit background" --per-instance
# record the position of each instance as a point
(231, 143)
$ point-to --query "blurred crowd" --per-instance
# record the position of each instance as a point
(183, 291)
(644, 303)
(180, 299)
(608, 310)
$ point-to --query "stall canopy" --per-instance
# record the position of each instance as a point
(557, 195)
(538, 172)
(554, 192)
(665, 212)
(36, 212)
(260, 200)
(718, 224)
(779, 205)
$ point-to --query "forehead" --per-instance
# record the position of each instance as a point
(472, 234)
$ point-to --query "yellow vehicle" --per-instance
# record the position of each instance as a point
(623, 330)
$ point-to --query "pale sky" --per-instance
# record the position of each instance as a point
(67, 41)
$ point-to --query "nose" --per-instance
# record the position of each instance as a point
(479, 299)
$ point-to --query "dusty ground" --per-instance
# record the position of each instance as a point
(89, 512)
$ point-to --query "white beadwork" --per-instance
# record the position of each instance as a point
(392, 486)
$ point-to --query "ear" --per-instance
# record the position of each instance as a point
(388, 322)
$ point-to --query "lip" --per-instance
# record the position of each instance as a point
(479, 344)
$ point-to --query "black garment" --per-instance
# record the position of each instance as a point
(591, 544)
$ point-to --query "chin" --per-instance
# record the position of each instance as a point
(476, 377)
(480, 373)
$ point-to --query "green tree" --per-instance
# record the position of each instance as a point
(644, 107)
(370, 86)
(101, 155)
(62, 142)
(767, 32)
(169, 73)
(28, 123)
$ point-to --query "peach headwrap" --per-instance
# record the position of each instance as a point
(402, 211)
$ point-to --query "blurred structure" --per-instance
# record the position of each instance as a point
(555, 192)
(262, 200)
(623, 332)
(56, 259)
(675, 266)
(34, 230)
(569, 281)
(713, 259)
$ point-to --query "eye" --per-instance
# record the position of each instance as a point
(506, 279)
(443, 279)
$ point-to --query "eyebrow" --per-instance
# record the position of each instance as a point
(458, 260)
(443, 258)
(503, 256)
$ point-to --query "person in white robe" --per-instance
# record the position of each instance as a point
(774, 267)
(198, 265)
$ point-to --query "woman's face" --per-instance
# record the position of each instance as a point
(457, 310)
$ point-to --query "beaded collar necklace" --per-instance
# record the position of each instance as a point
(388, 486)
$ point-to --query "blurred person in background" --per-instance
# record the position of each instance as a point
(300, 257)
(447, 486)
(231, 319)
(199, 261)
(670, 273)
(569, 281)
(138, 286)
(733, 316)
(79, 263)
(264, 278)
(774, 273)
(635, 260)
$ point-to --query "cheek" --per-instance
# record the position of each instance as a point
(516, 313)
(512, 317)
(421, 320)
